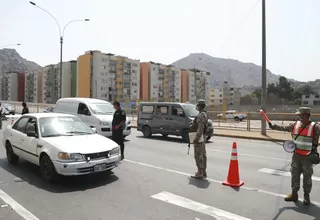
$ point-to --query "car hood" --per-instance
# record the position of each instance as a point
(84, 144)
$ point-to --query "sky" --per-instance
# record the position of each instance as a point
(167, 30)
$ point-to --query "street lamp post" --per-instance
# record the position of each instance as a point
(61, 34)
(9, 45)
(264, 68)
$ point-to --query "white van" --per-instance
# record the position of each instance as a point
(94, 112)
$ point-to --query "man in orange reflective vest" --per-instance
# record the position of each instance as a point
(307, 140)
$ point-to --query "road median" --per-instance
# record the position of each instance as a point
(254, 135)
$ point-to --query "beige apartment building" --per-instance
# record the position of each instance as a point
(160, 82)
(198, 85)
(12, 86)
(108, 77)
(51, 82)
(31, 91)
(229, 95)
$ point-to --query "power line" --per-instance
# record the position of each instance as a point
(239, 24)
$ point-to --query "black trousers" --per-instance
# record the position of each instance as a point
(117, 136)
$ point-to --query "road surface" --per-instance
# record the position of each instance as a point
(153, 183)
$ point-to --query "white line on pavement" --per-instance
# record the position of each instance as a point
(251, 155)
(24, 213)
(197, 207)
(282, 173)
(214, 181)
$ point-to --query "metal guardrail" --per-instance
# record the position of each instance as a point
(251, 122)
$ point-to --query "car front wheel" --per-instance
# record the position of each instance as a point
(11, 156)
(47, 169)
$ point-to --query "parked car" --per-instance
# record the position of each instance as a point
(168, 118)
(94, 112)
(61, 144)
(8, 109)
(232, 114)
(48, 110)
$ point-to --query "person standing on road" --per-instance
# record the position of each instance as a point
(305, 134)
(118, 124)
(199, 125)
(25, 109)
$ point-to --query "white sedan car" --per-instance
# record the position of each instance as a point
(61, 144)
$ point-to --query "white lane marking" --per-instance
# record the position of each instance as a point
(283, 173)
(214, 181)
(251, 155)
(197, 207)
(24, 213)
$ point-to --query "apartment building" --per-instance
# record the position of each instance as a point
(31, 87)
(229, 95)
(198, 85)
(108, 77)
(51, 81)
(160, 82)
(310, 100)
(12, 86)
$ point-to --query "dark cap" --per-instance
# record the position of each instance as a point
(201, 102)
(116, 103)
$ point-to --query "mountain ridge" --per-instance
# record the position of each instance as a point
(11, 61)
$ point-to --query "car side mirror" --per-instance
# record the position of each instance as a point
(31, 134)
(94, 129)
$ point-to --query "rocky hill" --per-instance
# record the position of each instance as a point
(11, 61)
(235, 72)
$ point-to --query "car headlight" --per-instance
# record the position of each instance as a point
(104, 123)
(115, 151)
(71, 157)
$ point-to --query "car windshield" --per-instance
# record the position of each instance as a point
(63, 126)
(191, 110)
(102, 109)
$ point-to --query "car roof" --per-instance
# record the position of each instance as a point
(48, 115)
(84, 100)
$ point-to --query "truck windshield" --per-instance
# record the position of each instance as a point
(102, 109)
(191, 110)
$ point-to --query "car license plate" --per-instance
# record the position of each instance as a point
(100, 167)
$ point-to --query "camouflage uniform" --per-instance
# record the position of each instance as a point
(199, 125)
(300, 164)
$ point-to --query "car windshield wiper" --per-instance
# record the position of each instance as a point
(56, 135)
(78, 132)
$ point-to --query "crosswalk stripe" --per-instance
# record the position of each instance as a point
(197, 207)
(283, 173)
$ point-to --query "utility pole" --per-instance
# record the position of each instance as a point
(264, 68)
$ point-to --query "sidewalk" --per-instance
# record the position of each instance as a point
(238, 133)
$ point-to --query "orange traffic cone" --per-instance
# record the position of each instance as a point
(233, 175)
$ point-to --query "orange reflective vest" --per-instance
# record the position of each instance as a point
(304, 140)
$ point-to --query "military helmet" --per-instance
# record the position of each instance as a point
(303, 110)
(201, 102)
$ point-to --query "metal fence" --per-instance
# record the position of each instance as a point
(251, 122)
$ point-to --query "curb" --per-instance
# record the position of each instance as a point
(251, 138)
(242, 137)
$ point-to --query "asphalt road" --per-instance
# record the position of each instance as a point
(153, 183)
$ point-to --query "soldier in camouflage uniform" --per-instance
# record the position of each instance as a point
(301, 163)
(199, 125)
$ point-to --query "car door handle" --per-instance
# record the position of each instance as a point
(22, 139)
(168, 118)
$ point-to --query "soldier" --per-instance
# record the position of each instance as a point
(199, 125)
(305, 134)
(118, 124)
